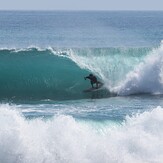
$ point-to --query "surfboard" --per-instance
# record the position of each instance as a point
(93, 89)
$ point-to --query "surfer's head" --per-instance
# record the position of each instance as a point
(90, 74)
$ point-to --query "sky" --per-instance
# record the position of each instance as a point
(81, 4)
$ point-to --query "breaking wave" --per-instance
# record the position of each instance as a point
(58, 74)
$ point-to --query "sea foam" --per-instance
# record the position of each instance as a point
(138, 139)
(147, 76)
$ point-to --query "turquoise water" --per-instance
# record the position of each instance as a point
(45, 115)
(80, 29)
(40, 74)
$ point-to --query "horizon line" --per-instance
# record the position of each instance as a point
(75, 10)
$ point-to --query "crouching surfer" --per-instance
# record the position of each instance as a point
(93, 80)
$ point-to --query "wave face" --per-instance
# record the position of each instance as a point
(58, 74)
(64, 139)
(34, 73)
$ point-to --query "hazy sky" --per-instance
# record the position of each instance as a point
(81, 4)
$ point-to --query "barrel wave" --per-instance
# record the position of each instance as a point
(58, 74)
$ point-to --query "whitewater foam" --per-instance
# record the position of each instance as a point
(147, 76)
(63, 139)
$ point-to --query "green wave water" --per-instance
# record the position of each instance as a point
(58, 74)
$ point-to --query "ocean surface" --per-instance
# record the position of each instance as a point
(45, 117)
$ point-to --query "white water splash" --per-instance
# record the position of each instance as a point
(147, 77)
(63, 139)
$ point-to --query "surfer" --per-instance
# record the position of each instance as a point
(93, 80)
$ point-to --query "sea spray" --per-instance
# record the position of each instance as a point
(146, 76)
(109, 64)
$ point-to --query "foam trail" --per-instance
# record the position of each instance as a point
(63, 139)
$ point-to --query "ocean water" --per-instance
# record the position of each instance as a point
(46, 117)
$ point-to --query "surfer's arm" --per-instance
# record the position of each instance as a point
(87, 77)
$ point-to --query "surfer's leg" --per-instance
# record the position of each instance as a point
(92, 84)
(98, 84)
